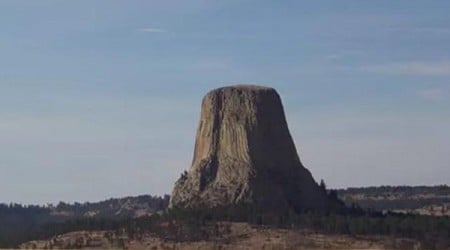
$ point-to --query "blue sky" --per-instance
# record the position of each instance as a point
(101, 99)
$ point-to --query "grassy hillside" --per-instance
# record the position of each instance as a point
(23, 223)
(18, 222)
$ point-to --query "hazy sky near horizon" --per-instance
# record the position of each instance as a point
(101, 99)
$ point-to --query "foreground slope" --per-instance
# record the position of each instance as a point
(224, 236)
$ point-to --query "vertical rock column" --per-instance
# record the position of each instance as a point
(244, 154)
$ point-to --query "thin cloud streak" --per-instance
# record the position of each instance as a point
(422, 30)
(432, 30)
(152, 30)
(433, 94)
(416, 68)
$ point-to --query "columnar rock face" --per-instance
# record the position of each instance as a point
(244, 154)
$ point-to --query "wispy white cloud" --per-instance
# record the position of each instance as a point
(211, 65)
(433, 94)
(152, 30)
(424, 30)
(434, 30)
(441, 68)
(341, 55)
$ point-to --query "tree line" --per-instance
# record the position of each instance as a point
(199, 224)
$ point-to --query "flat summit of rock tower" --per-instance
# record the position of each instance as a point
(244, 154)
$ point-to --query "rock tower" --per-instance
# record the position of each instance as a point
(244, 154)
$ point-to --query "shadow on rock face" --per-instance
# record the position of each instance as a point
(244, 154)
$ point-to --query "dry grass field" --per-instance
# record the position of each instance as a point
(232, 236)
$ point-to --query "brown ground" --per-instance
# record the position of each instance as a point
(232, 236)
